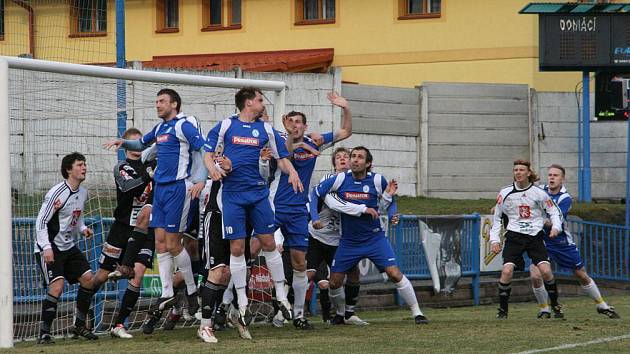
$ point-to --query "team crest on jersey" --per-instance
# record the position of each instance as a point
(366, 189)
(162, 138)
(255, 133)
(356, 195)
(242, 140)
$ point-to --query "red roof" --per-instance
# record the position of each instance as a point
(303, 60)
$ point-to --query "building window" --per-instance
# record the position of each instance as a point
(167, 16)
(88, 18)
(221, 15)
(311, 12)
(412, 9)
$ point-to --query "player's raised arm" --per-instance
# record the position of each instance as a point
(334, 202)
(346, 126)
(554, 214)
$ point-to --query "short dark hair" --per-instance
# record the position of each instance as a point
(338, 150)
(296, 113)
(173, 95)
(246, 93)
(555, 165)
(68, 161)
(368, 155)
(131, 131)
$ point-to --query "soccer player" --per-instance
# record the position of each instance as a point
(176, 139)
(523, 206)
(362, 236)
(244, 194)
(564, 252)
(291, 214)
(59, 220)
(128, 250)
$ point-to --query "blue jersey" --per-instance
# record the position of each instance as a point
(242, 142)
(367, 191)
(304, 164)
(175, 139)
(563, 200)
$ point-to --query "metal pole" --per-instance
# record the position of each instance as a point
(121, 88)
(586, 136)
(628, 179)
(579, 157)
(6, 248)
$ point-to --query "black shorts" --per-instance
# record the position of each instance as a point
(69, 265)
(516, 244)
(319, 252)
(216, 249)
(113, 249)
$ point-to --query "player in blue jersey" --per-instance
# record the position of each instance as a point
(244, 194)
(564, 252)
(290, 208)
(176, 139)
(362, 236)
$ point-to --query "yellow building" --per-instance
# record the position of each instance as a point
(383, 42)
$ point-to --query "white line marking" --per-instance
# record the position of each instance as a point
(575, 345)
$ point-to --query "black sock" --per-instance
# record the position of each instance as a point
(324, 300)
(134, 245)
(552, 290)
(129, 301)
(49, 312)
(504, 295)
(352, 296)
(84, 298)
(211, 295)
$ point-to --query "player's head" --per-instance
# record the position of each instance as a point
(555, 176)
(341, 159)
(296, 123)
(360, 160)
(168, 103)
(73, 166)
(523, 172)
(249, 99)
(132, 134)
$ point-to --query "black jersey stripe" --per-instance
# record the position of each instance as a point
(51, 204)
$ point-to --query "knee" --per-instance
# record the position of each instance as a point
(394, 274)
(55, 288)
(323, 285)
(506, 272)
(334, 283)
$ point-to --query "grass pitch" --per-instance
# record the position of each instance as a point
(454, 330)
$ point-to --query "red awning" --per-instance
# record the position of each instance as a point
(303, 60)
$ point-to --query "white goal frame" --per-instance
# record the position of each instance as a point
(6, 232)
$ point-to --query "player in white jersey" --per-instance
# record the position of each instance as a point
(59, 221)
(523, 207)
(564, 252)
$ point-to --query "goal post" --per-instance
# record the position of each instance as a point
(67, 116)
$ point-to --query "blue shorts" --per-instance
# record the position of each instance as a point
(566, 256)
(252, 206)
(294, 227)
(378, 250)
(171, 203)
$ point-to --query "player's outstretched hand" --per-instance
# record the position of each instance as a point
(266, 154)
(337, 100)
(371, 212)
(225, 163)
(553, 233)
(294, 180)
(216, 173)
(392, 187)
(318, 225)
(196, 189)
(49, 256)
(113, 145)
(307, 147)
(317, 138)
(496, 248)
(88, 233)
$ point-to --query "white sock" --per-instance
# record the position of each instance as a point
(165, 267)
(593, 292)
(183, 264)
(542, 298)
(300, 286)
(228, 295)
(205, 322)
(276, 269)
(238, 268)
(405, 289)
(337, 298)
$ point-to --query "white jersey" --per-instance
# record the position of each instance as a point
(60, 226)
(525, 210)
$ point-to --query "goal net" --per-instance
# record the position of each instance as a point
(54, 113)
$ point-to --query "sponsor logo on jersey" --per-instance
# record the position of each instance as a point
(499, 199)
(162, 138)
(549, 203)
(302, 156)
(356, 195)
(243, 140)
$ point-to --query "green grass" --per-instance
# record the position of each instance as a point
(607, 213)
(454, 330)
